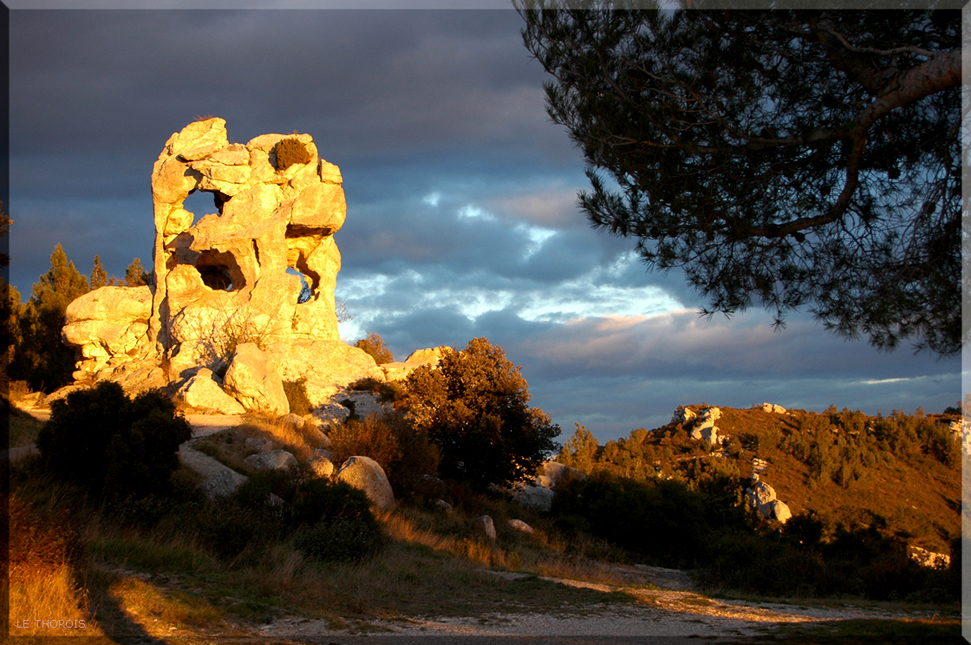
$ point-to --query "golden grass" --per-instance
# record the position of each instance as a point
(46, 597)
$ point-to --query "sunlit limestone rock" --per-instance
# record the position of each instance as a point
(108, 325)
(259, 268)
(253, 378)
(203, 393)
(776, 409)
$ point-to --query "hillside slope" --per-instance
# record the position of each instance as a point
(898, 475)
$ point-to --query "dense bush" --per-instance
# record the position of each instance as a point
(340, 540)
(112, 445)
(662, 520)
(375, 346)
(474, 406)
(291, 151)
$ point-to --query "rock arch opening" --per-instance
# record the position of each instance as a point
(205, 202)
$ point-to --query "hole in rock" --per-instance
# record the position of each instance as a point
(205, 202)
(305, 292)
(219, 271)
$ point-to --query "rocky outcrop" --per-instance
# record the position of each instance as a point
(259, 269)
(366, 475)
(775, 409)
(701, 425)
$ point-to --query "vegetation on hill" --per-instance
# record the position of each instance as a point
(861, 489)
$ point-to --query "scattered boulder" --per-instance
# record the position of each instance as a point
(220, 480)
(221, 484)
(202, 392)
(445, 506)
(776, 409)
(484, 527)
(367, 475)
(522, 526)
(272, 460)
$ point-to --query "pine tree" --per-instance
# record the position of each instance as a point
(40, 357)
(99, 277)
(135, 275)
(781, 159)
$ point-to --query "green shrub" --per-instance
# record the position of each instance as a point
(318, 499)
(112, 445)
(387, 391)
(475, 407)
(340, 540)
(662, 520)
(291, 151)
(296, 392)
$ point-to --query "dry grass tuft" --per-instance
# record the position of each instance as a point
(46, 594)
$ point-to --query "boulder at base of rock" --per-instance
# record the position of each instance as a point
(445, 506)
(222, 483)
(202, 392)
(485, 527)
(254, 379)
(367, 475)
(272, 460)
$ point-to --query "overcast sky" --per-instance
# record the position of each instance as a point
(461, 216)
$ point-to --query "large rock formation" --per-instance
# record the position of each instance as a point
(245, 291)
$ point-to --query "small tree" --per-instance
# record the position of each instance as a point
(99, 277)
(580, 450)
(474, 406)
(376, 347)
